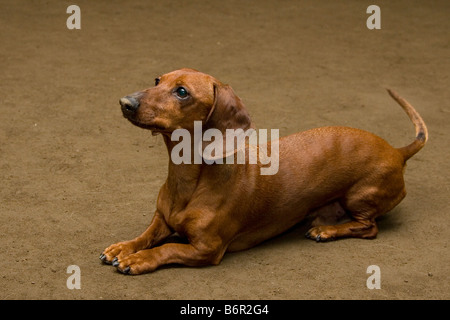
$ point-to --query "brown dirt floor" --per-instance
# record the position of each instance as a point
(76, 176)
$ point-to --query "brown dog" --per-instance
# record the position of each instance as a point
(326, 172)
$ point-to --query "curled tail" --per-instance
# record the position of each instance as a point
(419, 124)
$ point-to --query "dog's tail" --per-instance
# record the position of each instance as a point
(419, 124)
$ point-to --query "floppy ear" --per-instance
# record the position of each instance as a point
(227, 112)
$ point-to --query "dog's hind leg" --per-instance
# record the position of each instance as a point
(363, 204)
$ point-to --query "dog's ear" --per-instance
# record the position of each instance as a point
(227, 112)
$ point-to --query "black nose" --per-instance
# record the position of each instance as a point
(129, 104)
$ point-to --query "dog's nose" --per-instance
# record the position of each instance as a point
(129, 104)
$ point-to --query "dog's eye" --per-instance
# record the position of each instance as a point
(157, 80)
(182, 93)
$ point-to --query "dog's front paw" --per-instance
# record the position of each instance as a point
(136, 263)
(117, 251)
(321, 233)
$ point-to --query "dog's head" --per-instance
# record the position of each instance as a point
(181, 97)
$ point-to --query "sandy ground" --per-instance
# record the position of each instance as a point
(76, 177)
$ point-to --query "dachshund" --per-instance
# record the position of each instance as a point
(330, 173)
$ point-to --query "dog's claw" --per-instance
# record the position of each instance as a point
(318, 235)
(124, 271)
(103, 258)
(115, 262)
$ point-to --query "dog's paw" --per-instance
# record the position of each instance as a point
(136, 263)
(321, 233)
(117, 250)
